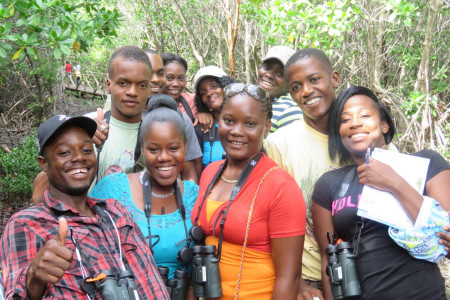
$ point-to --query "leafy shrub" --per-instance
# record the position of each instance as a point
(18, 170)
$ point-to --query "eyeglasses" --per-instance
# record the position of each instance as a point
(251, 89)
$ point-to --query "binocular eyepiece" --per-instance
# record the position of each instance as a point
(205, 272)
(177, 286)
(121, 287)
(342, 272)
(197, 235)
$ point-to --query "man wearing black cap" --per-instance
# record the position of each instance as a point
(64, 247)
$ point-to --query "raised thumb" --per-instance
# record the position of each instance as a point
(100, 114)
(63, 228)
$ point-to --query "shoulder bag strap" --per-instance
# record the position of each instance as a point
(187, 108)
(247, 230)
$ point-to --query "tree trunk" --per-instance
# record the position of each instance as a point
(422, 74)
(40, 95)
(248, 67)
(256, 57)
(57, 90)
(374, 53)
(370, 39)
(220, 57)
(232, 30)
(422, 82)
(379, 52)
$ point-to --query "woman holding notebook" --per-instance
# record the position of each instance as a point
(359, 121)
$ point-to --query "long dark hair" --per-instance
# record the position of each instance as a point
(338, 153)
(221, 81)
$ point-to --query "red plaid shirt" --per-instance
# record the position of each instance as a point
(28, 230)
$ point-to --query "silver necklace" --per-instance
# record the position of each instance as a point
(163, 196)
(228, 180)
(156, 195)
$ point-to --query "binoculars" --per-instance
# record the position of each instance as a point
(177, 286)
(120, 287)
(197, 235)
(205, 272)
(341, 270)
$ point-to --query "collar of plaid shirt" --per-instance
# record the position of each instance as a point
(28, 230)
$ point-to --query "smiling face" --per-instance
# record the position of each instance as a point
(361, 126)
(69, 161)
(158, 80)
(242, 127)
(211, 94)
(176, 79)
(271, 78)
(312, 86)
(164, 151)
(129, 86)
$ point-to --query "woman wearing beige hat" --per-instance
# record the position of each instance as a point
(209, 83)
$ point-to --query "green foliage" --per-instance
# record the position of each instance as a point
(304, 23)
(27, 27)
(18, 170)
(35, 37)
(415, 104)
(444, 149)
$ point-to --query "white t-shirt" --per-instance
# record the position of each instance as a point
(117, 154)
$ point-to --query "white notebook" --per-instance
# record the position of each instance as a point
(382, 206)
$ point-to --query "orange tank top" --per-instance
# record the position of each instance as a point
(258, 272)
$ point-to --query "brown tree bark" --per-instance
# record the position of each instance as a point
(422, 74)
(374, 44)
(422, 81)
(232, 30)
(248, 31)
(379, 50)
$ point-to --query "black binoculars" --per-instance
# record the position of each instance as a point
(121, 287)
(177, 286)
(342, 272)
(197, 235)
(205, 272)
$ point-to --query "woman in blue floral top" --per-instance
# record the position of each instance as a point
(163, 147)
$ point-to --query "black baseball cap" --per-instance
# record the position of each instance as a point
(47, 129)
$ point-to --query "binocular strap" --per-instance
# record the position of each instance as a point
(147, 194)
(90, 288)
(357, 236)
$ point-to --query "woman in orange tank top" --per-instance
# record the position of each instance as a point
(260, 206)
